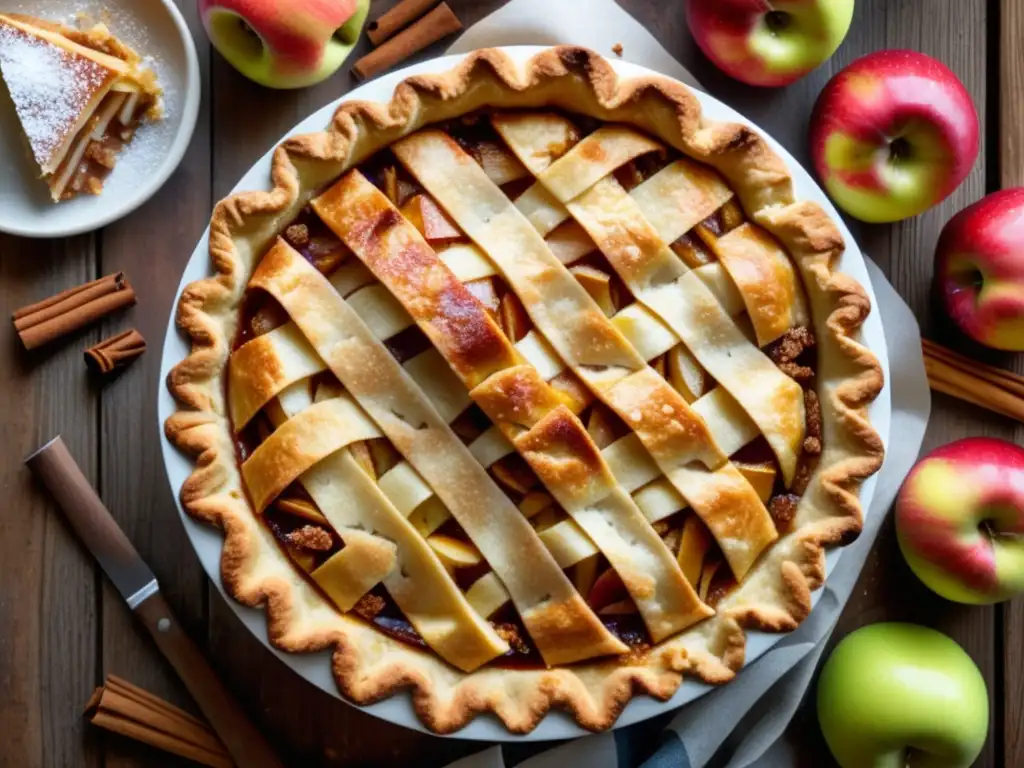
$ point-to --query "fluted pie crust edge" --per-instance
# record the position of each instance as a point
(370, 666)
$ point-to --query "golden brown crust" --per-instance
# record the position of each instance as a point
(562, 454)
(369, 666)
(516, 395)
(366, 221)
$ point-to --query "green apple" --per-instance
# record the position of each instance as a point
(897, 695)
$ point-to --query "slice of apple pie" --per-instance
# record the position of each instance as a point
(79, 95)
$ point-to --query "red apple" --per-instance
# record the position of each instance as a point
(960, 520)
(893, 134)
(768, 43)
(284, 43)
(980, 269)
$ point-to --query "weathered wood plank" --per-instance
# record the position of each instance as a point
(48, 582)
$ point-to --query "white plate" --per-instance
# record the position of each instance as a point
(156, 30)
(398, 709)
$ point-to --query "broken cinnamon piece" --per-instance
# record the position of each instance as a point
(395, 18)
(437, 24)
(115, 352)
(48, 320)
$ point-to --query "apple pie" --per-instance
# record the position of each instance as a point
(79, 95)
(530, 388)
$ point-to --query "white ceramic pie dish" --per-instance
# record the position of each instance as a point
(316, 667)
(155, 28)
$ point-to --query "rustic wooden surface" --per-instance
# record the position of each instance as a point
(62, 627)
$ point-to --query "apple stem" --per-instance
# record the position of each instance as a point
(247, 28)
(899, 149)
(776, 21)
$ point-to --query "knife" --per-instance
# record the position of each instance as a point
(54, 465)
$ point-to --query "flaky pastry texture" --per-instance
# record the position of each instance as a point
(368, 665)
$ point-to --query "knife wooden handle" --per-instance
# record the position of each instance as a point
(59, 471)
(247, 746)
(54, 465)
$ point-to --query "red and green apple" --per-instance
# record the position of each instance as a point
(960, 520)
(980, 269)
(284, 43)
(768, 43)
(893, 134)
(893, 695)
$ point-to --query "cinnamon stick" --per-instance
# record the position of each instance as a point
(122, 686)
(167, 743)
(986, 386)
(1007, 379)
(393, 20)
(94, 700)
(437, 24)
(115, 352)
(123, 708)
(49, 319)
(162, 717)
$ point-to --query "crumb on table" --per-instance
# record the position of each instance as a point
(617, 49)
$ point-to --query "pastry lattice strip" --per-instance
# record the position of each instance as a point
(403, 486)
(542, 594)
(311, 447)
(531, 414)
(295, 361)
(579, 183)
(574, 325)
(287, 382)
(382, 318)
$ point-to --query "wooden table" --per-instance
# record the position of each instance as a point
(62, 627)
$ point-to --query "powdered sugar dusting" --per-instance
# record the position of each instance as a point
(49, 87)
(148, 147)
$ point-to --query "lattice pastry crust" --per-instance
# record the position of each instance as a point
(676, 453)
